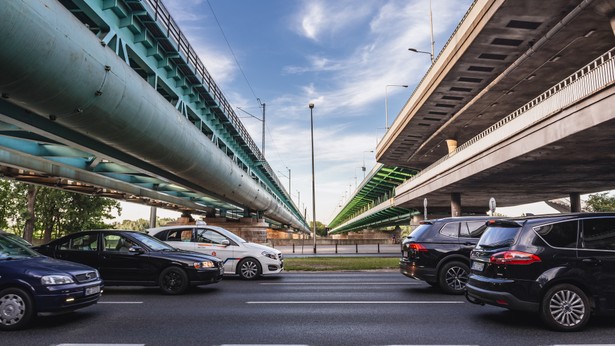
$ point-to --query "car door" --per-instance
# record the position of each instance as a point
(81, 248)
(469, 234)
(597, 256)
(216, 244)
(121, 265)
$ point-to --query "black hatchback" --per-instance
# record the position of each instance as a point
(561, 266)
(438, 251)
(133, 258)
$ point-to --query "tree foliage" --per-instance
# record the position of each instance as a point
(601, 202)
(53, 212)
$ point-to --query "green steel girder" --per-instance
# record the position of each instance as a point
(379, 185)
(153, 45)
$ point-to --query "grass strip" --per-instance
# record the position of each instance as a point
(339, 263)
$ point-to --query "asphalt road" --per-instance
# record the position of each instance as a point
(341, 308)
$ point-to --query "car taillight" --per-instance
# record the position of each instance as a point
(514, 257)
(417, 247)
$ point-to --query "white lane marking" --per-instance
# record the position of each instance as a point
(357, 302)
(120, 302)
(339, 283)
(100, 345)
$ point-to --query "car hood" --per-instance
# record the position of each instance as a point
(44, 265)
(260, 247)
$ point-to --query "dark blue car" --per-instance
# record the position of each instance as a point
(31, 283)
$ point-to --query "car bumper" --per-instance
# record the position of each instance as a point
(270, 266)
(414, 270)
(205, 276)
(64, 298)
(499, 292)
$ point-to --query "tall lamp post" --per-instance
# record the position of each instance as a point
(259, 119)
(386, 105)
(311, 105)
(363, 167)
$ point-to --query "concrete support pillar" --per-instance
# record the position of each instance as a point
(152, 217)
(575, 202)
(416, 221)
(452, 145)
(455, 204)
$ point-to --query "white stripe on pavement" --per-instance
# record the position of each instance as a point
(356, 302)
(120, 302)
(340, 283)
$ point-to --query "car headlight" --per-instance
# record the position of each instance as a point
(270, 255)
(204, 264)
(49, 280)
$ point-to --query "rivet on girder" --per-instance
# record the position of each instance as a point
(107, 68)
(102, 43)
(98, 93)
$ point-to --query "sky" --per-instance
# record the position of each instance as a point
(339, 55)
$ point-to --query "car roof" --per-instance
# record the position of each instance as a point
(163, 228)
(464, 218)
(546, 218)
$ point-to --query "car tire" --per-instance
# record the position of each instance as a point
(249, 269)
(565, 307)
(16, 308)
(173, 280)
(453, 277)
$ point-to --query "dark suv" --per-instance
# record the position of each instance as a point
(561, 266)
(438, 251)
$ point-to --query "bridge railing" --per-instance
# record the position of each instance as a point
(162, 16)
(590, 79)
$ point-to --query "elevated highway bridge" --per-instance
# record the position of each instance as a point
(109, 98)
(517, 106)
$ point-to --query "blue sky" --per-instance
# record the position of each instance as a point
(338, 54)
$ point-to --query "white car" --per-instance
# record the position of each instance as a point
(248, 260)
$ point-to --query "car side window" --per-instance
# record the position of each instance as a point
(599, 234)
(180, 234)
(561, 234)
(209, 236)
(115, 242)
(85, 242)
(472, 229)
(451, 229)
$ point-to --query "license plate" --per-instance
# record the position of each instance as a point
(478, 266)
(92, 290)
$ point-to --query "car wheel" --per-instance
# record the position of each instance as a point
(453, 277)
(173, 280)
(565, 307)
(249, 269)
(16, 309)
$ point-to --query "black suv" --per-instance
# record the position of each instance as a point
(438, 251)
(561, 266)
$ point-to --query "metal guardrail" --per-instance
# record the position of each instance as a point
(593, 77)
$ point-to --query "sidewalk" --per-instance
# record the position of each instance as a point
(307, 250)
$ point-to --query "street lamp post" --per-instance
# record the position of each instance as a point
(259, 119)
(422, 52)
(311, 105)
(386, 104)
(363, 167)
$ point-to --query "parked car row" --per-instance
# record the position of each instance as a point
(561, 267)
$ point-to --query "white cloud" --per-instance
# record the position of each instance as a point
(320, 18)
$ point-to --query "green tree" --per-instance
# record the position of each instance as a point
(30, 210)
(320, 228)
(601, 202)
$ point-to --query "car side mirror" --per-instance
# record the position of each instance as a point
(136, 249)
(225, 242)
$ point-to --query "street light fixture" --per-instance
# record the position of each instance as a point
(311, 105)
(363, 167)
(422, 52)
(386, 105)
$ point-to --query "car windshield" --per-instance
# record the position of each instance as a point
(152, 243)
(14, 249)
(497, 237)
